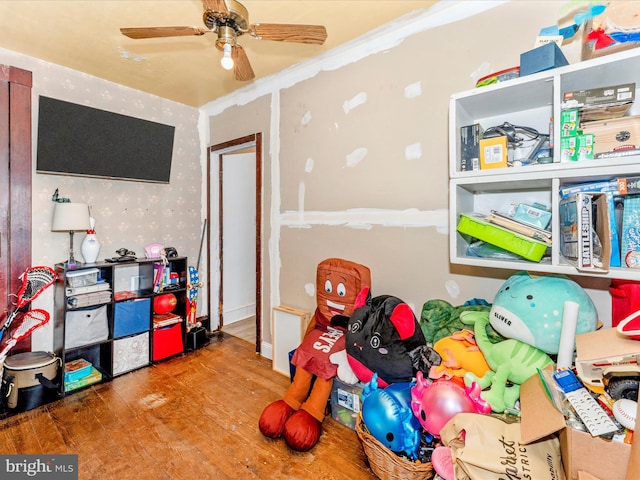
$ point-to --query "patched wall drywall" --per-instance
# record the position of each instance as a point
(361, 159)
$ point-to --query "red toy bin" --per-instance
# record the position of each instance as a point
(625, 299)
(167, 341)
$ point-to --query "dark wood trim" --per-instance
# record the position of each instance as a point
(258, 154)
(15, 186)
(5, 278)
(220, 244)
(227, 147)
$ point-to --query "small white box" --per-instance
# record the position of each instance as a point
(82, 278)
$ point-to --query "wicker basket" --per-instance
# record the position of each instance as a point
(386, 464)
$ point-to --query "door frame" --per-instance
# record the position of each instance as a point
(15, 185)
(221, 149)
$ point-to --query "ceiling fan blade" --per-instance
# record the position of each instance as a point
(216, 6)
(287, 32)
(156, 32)
(242, 68)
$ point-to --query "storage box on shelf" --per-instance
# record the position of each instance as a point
(103, 318)
(531, 101)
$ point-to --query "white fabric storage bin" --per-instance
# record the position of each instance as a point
(86, 326)
(130, 353)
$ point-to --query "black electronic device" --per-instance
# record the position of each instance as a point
(515, 134)
(123, 258)
(125, 255)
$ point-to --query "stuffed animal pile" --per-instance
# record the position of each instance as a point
(418, 375)
(484, 353)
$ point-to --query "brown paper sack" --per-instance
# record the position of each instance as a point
(484, 447)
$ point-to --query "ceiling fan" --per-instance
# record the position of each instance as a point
(230, 19)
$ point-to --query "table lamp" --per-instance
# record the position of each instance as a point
(70, 217)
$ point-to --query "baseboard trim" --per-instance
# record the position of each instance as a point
(266, 350)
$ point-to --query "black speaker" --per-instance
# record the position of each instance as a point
(197, 338)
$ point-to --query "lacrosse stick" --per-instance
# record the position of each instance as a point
(34, 281)
(31, 320)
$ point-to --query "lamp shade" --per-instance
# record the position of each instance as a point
(69, 217)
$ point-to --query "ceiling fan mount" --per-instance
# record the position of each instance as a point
(230, 20)
(235, 17)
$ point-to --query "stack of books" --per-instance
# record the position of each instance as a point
(165, 320)
(87, 295)
(518, 226)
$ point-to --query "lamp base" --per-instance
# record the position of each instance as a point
(69, 265)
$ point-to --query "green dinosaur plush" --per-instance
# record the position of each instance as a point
(440, 319)
(510, 360)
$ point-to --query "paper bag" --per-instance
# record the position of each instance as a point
(485, 447)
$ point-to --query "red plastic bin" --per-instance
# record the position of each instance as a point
(625, 299)
(167, 341)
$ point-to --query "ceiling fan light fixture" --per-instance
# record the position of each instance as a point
(226, 61)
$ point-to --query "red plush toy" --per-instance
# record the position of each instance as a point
(298, 416)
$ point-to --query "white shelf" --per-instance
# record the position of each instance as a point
(531, 101)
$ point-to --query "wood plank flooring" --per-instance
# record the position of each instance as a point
(244, 329)
(191, 417)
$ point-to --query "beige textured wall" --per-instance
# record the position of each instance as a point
(363, 158)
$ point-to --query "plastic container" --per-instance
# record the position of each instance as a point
(501, 76)
(82, 278)
(345, 402)
(501, 237)
(76, 369)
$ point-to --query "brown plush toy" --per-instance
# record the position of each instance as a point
(298, 416)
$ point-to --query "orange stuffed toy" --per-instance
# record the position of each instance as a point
(298, 416)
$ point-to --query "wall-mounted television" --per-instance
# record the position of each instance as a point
(79, 140)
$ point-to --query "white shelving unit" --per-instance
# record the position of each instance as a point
(532, 101)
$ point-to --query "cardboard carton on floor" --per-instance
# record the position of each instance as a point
(581, 453)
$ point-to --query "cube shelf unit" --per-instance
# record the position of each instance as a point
(116, 334)
(532, 101)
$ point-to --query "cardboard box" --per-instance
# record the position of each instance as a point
(470, 136)
(629, 238)
(601, 349)
(627, 185)
(542, 58)
(568, 148)
(569, 122)
(584, 146)
(610, 95)
(576, 223)
(601, 103)
(619, 18)
(606, 460)
(493, 152)
(618, 134)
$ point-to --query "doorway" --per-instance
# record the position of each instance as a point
(234, 198)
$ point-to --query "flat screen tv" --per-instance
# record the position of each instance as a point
(79, 140)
